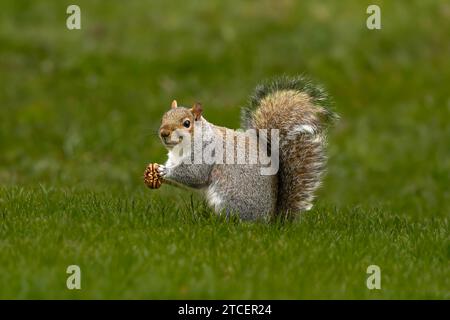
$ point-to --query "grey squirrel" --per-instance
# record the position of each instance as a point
(294, 106)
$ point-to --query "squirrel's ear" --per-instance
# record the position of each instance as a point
(197, 110)
(174, 104)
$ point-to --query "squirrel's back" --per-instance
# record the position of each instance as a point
(300, 111)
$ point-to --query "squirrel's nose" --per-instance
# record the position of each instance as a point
(164, 133)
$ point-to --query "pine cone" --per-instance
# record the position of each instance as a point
(151, 176)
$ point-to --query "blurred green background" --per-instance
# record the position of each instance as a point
(79, 109)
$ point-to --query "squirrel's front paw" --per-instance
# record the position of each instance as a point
(152, 175)
(162, 170)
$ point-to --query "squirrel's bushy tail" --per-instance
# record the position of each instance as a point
(300, 110)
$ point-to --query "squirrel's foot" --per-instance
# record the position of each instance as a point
(161, 170)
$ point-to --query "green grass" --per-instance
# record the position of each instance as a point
(78, 116)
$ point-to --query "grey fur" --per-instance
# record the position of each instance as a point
(297, 110)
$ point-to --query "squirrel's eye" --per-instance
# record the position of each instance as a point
(186, 123)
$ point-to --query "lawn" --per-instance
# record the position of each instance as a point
(78, 118)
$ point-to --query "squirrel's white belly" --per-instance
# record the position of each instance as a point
(173, 158)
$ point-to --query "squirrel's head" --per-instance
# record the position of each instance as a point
(178, 122)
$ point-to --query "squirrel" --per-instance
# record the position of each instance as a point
(295, 107)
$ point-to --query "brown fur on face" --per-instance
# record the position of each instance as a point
(174, 120)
